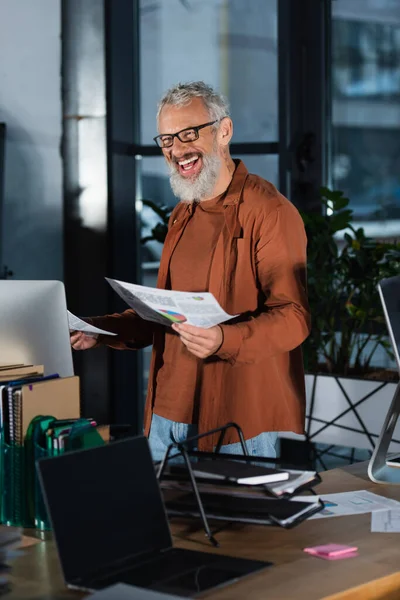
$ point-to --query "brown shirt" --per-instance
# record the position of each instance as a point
(258, 271)
(188, 272)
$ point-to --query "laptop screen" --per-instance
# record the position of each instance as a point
(105, 505)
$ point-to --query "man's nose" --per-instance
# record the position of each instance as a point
(178, 148)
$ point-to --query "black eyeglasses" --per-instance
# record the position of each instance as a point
(190, 134)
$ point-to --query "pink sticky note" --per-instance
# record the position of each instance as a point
(332, 551)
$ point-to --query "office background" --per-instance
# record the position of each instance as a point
(314, 88)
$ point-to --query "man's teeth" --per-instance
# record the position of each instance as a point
(182, 163)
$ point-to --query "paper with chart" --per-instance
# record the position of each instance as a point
(167, 307)
(354, 503)
(77, 324)
(386, 521)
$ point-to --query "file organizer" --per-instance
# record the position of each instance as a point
(22, 503)
(180, 450)
(31, 410)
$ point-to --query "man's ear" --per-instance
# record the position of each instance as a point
(225, 131)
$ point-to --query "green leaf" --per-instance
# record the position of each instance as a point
(341, 220)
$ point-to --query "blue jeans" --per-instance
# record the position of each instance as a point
(164, 432)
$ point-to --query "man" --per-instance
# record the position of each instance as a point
(235, 235)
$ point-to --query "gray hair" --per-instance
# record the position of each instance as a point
(182, 93)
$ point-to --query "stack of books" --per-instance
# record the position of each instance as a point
(25, 392)
(19, 371)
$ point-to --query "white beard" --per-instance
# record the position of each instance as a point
(202, 186)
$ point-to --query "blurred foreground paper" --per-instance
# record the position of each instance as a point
(121, 591)
(354, 503)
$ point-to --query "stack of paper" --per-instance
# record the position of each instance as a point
(293, 482)
(10, 372)
(245, 508)
(240, 491)
(297, 480)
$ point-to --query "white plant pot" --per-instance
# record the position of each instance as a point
(356, 420)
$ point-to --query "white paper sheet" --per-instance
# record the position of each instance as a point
(353, 503)
(76, 324)
(296, 480)
(167, 307)
(386, 521)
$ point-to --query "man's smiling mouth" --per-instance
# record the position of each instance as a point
(189, 166)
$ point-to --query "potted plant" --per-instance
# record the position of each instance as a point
(348, 392)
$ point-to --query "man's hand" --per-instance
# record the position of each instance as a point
(199, 341)
(82, 341)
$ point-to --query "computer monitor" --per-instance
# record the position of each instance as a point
(2, 153)
(381, 468)
(34, 325)
(389, 292)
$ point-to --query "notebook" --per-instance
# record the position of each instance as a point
(234, 471)
(110, 525)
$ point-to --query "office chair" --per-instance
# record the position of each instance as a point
(379, 470)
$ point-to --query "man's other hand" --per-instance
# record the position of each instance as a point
(199, 341)
(82, 341)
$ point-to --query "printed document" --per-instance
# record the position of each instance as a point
(76, 324)
(167, 307)
(386, 521)
(354, 503)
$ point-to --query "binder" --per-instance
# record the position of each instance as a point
(57, 397)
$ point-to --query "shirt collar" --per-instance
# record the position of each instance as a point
(235, 188)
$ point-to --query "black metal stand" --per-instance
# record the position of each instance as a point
(182, 450)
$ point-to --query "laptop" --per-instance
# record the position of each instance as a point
(110, 525)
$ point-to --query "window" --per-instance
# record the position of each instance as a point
(230, 44)
(366, 111)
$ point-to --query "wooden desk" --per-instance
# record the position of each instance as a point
(36, 575)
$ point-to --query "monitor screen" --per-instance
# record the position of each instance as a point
(105, 505)
(2, 146)
(389, 291)
(34, 325)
